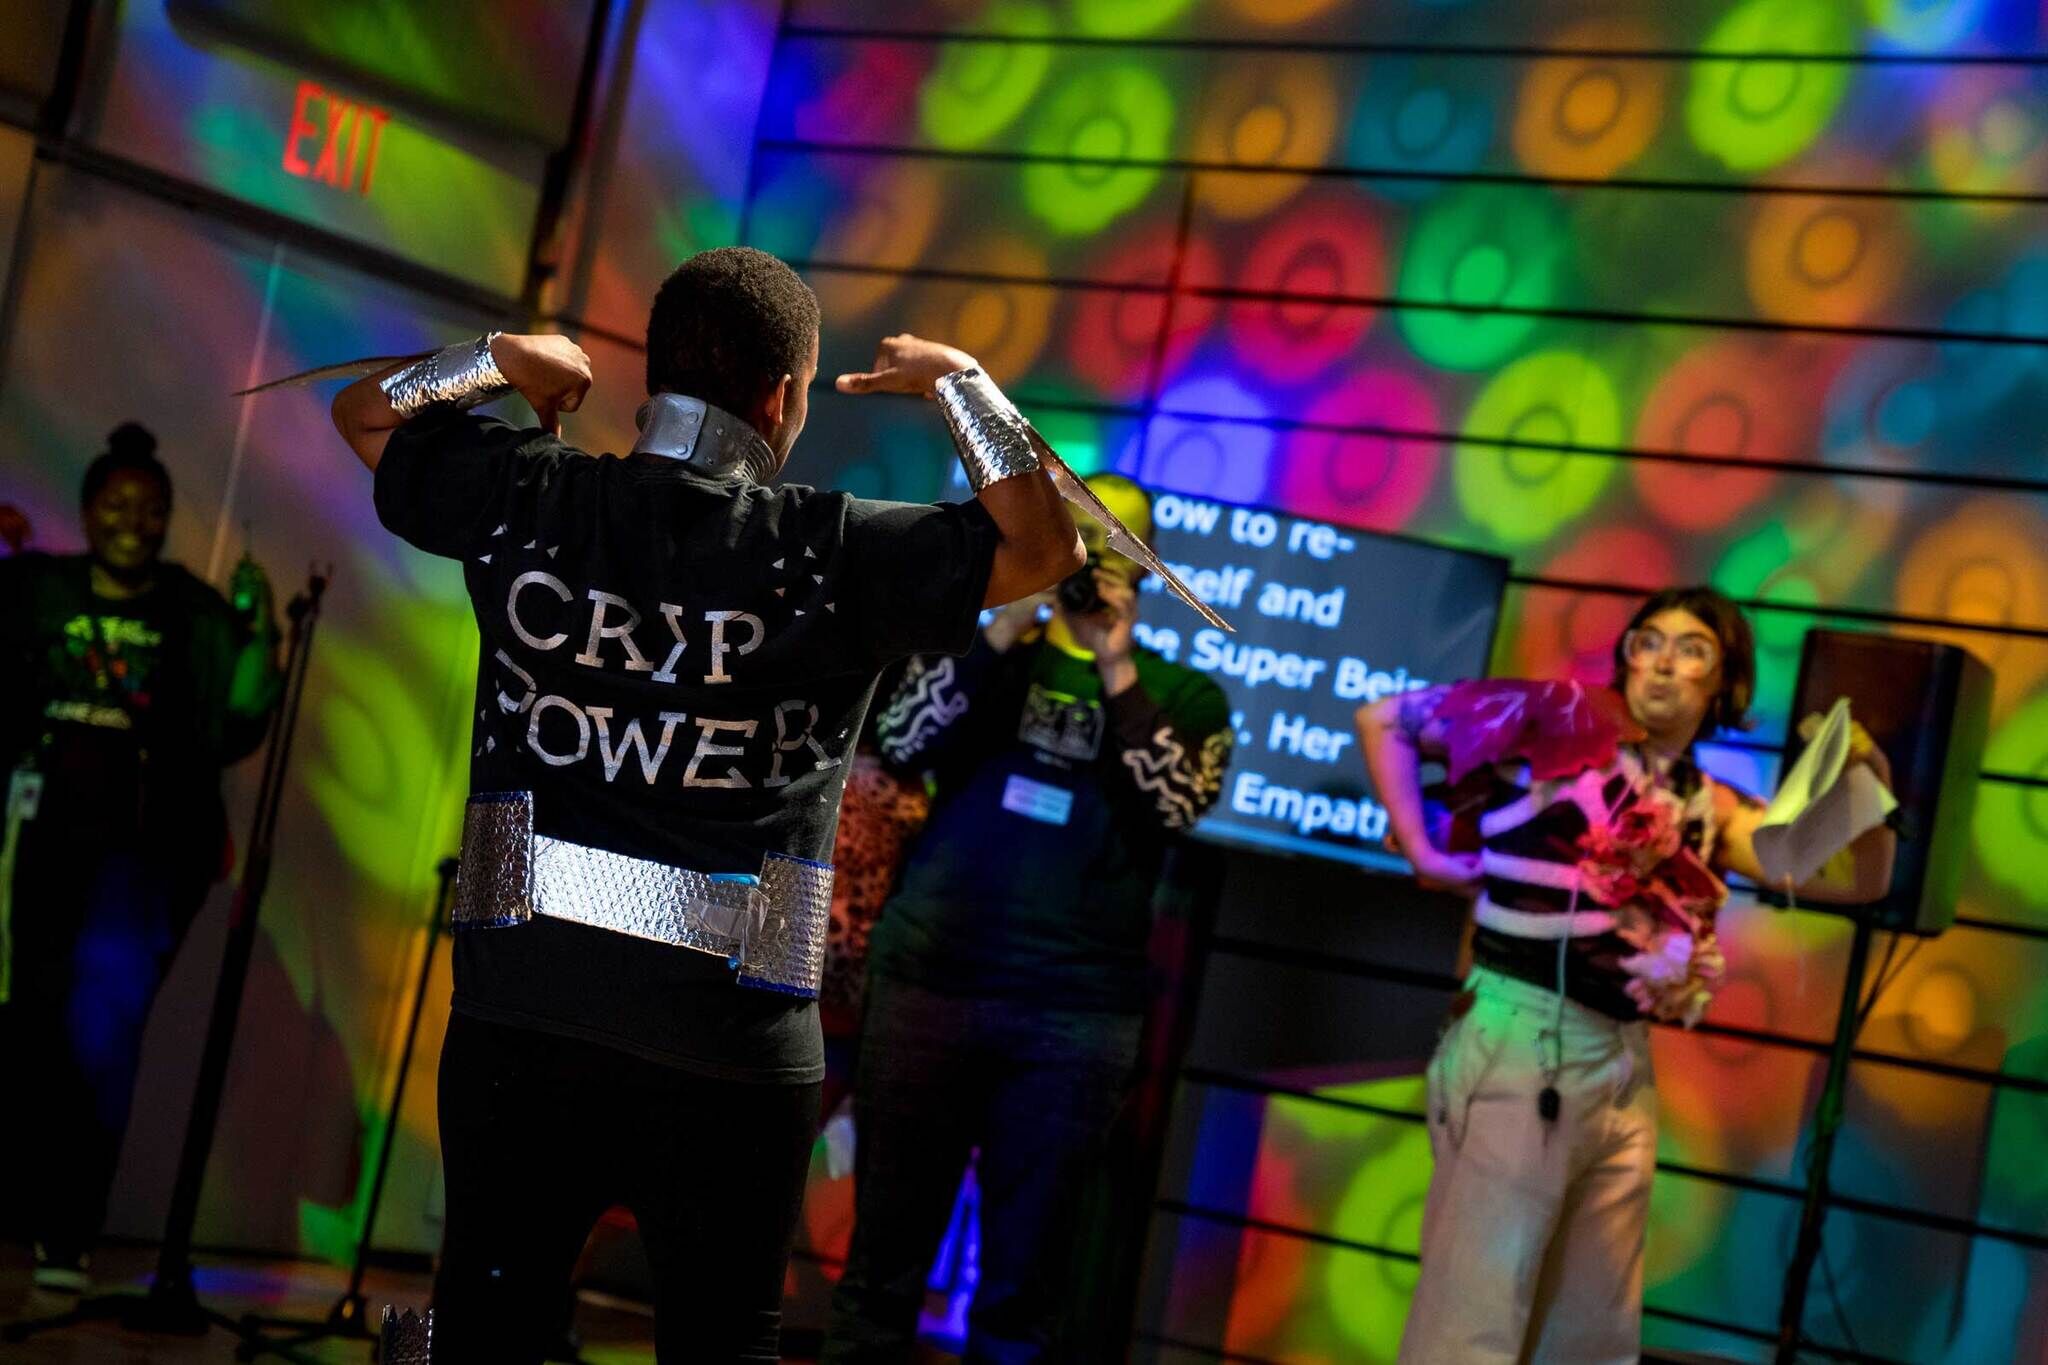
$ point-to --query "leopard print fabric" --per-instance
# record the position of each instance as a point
(881, 814)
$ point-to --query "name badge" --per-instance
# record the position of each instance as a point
(24, 794)
(1039, 801)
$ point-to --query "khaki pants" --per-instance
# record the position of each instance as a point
(1532, 1240)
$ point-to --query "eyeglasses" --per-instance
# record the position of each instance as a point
(1693, 656)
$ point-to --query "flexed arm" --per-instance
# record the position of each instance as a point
(550, 372)
(1038, 544)
(1395, 735)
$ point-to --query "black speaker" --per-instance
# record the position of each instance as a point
(1928, 706)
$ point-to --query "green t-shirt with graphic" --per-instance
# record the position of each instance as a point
(1052, 813)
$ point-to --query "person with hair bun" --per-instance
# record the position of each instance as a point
(1579, 820)
(126, 685)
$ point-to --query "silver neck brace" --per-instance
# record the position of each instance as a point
(706, 438)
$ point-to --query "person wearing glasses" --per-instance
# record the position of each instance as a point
(1593, 845)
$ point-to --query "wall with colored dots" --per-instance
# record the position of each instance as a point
(1634, 294)
(1748, 291)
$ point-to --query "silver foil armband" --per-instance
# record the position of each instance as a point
(407, 1338)
(991, 435)
(460, 376)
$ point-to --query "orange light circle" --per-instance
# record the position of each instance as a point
(1819, 260)
(887, 225)
(1986, 564)
(1264, 111)
(1941, 1011)
(1004, 325)
(1589, 116)
(1280, 13)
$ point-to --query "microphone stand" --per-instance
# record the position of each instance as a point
(172, 1304)
(1827, 1122)
(349, 1319)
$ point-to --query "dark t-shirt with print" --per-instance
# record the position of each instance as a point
(676, 666)
(1033, 878)
(121, 705)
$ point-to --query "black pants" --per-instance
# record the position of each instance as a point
(1036, 1090)
(92, 930)
(541, 1134)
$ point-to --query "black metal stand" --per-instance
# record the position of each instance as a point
(172, 1305)
(1827, 1121)
(350, 1319)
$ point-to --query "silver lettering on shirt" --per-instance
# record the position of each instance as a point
(706, 728)
(505, 700)
(672, 614)
(582, 731)
(636, 662)
(632, 740)
(719, 648)
(526, 636)
(786, 743)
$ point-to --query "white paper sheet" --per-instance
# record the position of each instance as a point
(1823, 805)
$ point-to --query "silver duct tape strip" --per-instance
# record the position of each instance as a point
(495, 884)
(462, 376)
(408, 1338)
(772, 928)
(987, 429)
(790, 955)
(643, 898)
(1121, 537)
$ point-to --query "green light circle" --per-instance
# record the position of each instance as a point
(1077, 436)
(1523, 496)
(978, 89)
(1752, 115)
(2011, 821)
(1125, 18)
(1102, 136)
(1114, 111)
(1763, 90)
(1483, 247)
(1368, 1296)
(1764, 567)
(1483, 273)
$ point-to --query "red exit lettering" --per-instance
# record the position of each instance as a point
(340, 134)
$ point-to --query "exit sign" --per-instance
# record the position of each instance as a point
(331, 138)
(444, 192)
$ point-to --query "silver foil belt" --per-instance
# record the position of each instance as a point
(987, 429)
(771, 927)
(408, 1338)
(461, 376)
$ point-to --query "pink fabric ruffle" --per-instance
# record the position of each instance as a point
(1557, 728)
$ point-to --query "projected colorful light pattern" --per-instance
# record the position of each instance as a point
(1555, 307)
(1552, 306)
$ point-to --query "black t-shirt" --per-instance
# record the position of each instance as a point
(1034, 877)
(122, 704)
(676, 666)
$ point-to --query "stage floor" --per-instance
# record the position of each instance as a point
(612, 1334)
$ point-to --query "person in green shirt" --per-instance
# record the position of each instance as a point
(1007, 977)
(126, 685)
